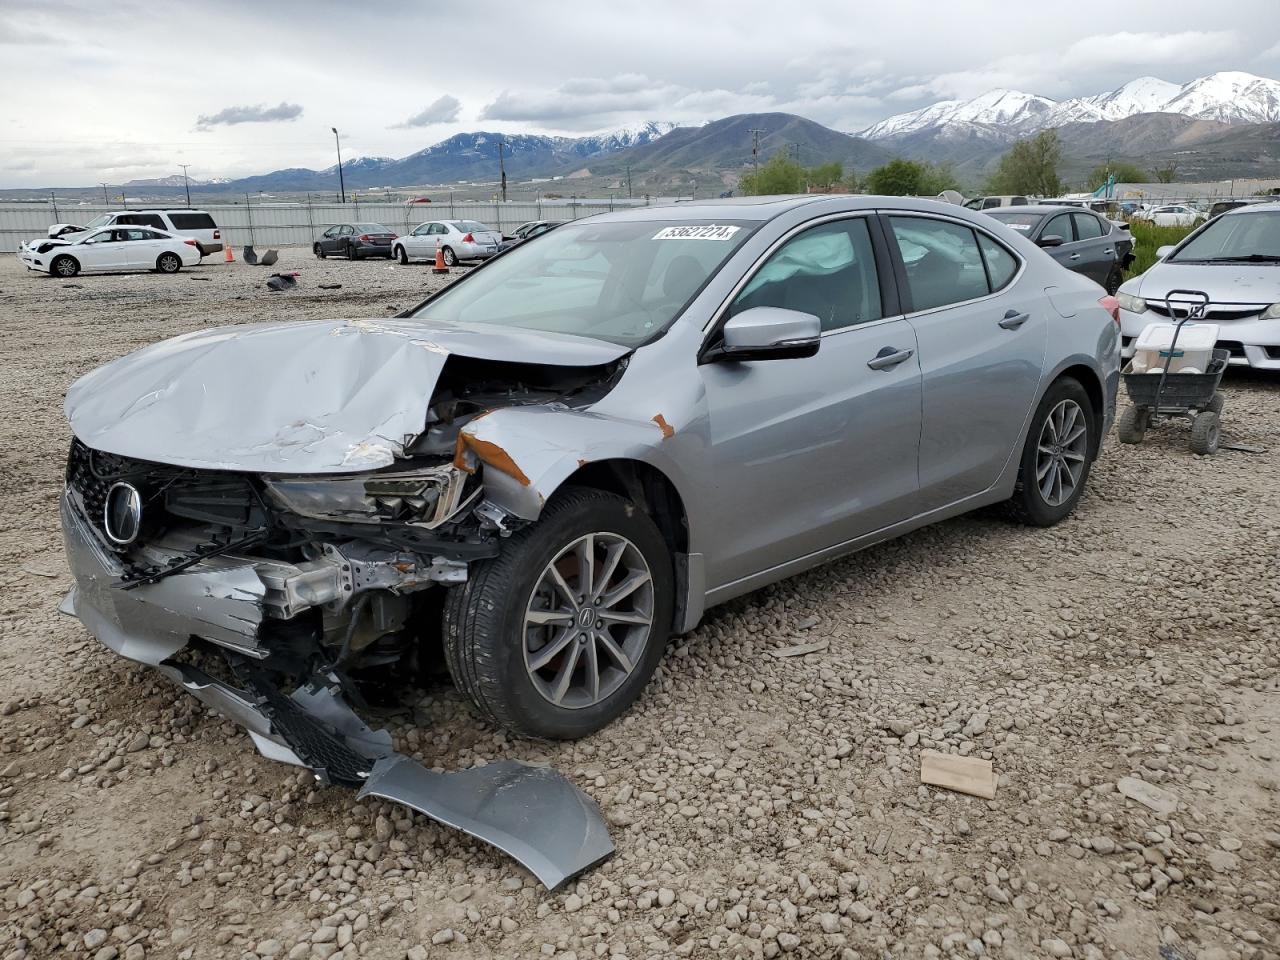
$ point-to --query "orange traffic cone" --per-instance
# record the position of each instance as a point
(441, 266)
(230, 257)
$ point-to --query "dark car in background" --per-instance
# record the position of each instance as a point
(527, 231)
(355, 241)
(1080, 240)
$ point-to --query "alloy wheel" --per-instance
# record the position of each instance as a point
(1061, 452)
(588, 620)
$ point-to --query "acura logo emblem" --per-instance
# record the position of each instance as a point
(122, 514)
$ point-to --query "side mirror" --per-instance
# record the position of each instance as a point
(1162, 252)
(767, 333)
(1052, 240)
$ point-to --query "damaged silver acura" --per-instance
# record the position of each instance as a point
(560, 460)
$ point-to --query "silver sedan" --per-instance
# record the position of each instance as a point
(579, 448)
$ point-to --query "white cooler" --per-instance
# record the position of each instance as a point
(1193, 353)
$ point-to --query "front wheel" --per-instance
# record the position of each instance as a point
(1133, 424)
(400, 255)
(1056, 457)
(450, 258)
(352, 254)
(1114, 279)
(64, 266)
(318, 251)
(559, 634)
(168, 263)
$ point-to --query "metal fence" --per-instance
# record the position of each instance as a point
(285, 224)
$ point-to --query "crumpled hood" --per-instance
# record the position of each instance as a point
(1223, 282)
(317, 396)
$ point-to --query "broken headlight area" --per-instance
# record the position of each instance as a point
(282, 602)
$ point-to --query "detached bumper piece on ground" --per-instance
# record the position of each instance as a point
(531, 813)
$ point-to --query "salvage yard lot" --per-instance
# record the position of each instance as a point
(761, 805)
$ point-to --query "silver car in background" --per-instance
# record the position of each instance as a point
(457, 240)
(575, 450)
(1235, 259)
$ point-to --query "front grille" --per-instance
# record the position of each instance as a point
(171, 495)
(1213, 314)
(1233, 347)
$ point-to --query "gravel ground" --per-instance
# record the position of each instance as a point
(760, 805)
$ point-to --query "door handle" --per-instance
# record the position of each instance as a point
(1108, 251)
(1013, 319)
(889, 357)
(1074, 256)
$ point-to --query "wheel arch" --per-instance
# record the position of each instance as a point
(1091, 380)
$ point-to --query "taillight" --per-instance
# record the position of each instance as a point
(468, 239)
(364, 237)
(217, 234)
(191, 243)
(1112, 306)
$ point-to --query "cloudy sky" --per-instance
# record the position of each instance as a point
(113, 91)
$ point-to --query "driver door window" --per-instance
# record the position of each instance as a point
(828, 271)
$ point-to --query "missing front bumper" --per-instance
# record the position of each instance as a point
(531, 813)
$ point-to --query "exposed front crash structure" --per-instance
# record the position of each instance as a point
(265, 557)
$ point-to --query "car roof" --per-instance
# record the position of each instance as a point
(1253, 206)
(767, 208)
(1044, 209)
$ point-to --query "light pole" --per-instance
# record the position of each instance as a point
(186, 182)
(502, 167)
(341, 182)
(105, 201)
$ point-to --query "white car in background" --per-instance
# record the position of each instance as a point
(1175, 215)
(111, 249)
(196, 224)
(458, 240)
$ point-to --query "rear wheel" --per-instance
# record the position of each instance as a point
(64, 266)
(1206, 433)
(352, 253)
(1114, 279)
(168, 263)
(560, 633)
(1133, 423)
(450, 258)
(399, 254)
(1056, 457)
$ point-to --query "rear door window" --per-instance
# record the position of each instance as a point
(1059, 226)
(1001, 264)
(1088, 227)
(943, 261)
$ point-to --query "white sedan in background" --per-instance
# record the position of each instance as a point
(112, 249)
(458, 240)
(1175, 215)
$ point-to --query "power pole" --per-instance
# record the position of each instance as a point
(105, 201)
(755, 149)
(628, 181)
(502, 167)
(342, 184)
(186, 182)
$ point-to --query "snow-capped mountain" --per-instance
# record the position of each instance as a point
(623, 137)
(1228, 96)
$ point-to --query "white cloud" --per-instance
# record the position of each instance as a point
(230, 116)
(443, 110)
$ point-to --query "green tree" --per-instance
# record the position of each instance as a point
(908, 178)
(1030, 166)
(825, 175)
(1122, 171)
(780, 174)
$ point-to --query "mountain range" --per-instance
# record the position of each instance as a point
(1222, 125)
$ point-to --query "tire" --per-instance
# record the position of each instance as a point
(398, 253)
(1114, 279)
(64, 266)
(168, 263)
(352, 254)
(1132, 425)
(450, 258)
(1206, 433)
(488, 642)
(318, 251)
(1215, 405)
(1029, 503)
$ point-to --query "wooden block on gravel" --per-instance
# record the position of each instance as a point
(962, 774)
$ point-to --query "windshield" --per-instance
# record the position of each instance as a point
(475, 226)
(622, 282)
(370, 228)
(1022, 222)
(1239, 237)
(98, 221)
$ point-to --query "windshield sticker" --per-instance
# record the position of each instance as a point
(709, 232)
(1023, 227)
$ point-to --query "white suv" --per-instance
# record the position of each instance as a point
(196, 224)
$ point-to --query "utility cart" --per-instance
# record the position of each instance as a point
(1169, 379)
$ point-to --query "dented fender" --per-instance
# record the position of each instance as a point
(528, 452)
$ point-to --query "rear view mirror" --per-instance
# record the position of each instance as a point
(1052, 240)
(767, 333)
(1162, 252)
